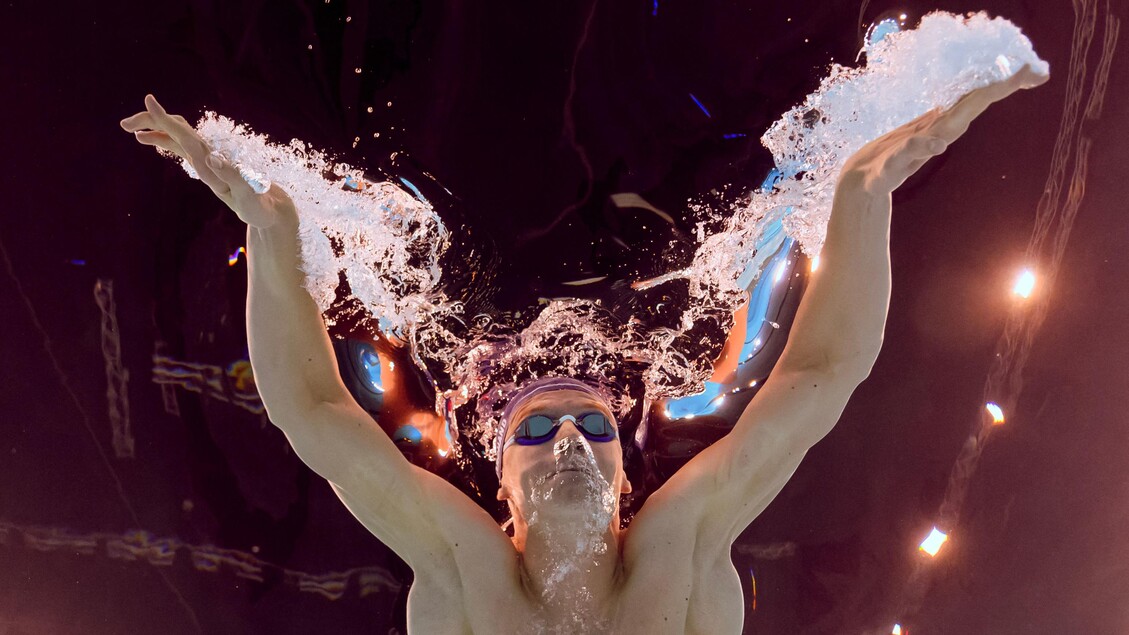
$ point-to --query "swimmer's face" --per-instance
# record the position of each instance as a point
(566, 463)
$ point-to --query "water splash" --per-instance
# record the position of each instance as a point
(387, 243)
(907, 74)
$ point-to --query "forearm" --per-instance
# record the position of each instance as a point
(291, 353)
(843, 312)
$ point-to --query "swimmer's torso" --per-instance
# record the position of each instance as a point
(674, 583)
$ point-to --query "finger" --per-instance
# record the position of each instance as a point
(161, 140)
(176, 127)
(955, 121)
(1026, 77)
(165, 142)
(194, 146)
(914, 166)
(145, 120)
(140, 121)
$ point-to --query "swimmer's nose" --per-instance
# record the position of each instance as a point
(571, 442)
(571, 432)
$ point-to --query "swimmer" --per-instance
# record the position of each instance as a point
(569, 567)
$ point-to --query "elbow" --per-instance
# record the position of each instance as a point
(861, 363)
(861, 369)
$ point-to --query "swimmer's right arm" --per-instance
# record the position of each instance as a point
(291, 354)
(415, 513)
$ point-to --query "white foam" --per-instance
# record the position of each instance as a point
(907, 74)
(390, 242)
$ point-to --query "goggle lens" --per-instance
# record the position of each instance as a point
(539, 428)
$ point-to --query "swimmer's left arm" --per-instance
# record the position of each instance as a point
(841, 319)
(835, 337)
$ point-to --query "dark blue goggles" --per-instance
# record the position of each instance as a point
(537, 429)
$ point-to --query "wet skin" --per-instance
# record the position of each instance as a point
(563, 495)
(670, 571)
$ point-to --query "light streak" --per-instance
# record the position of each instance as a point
(577, 283)
(703, 108)
(778, 275)
(234, 384)
(415, 190)
(137, 544)
(117, 376)
(753, 577)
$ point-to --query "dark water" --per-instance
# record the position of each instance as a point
(197, 517)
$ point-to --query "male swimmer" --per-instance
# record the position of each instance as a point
(569, 568)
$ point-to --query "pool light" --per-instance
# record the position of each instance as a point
(1024, 284)
(996, 412)
(932, 544)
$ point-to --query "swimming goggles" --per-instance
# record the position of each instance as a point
(537, 429)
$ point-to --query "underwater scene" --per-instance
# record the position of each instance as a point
(592, 317)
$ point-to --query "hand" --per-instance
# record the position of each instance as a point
(155, 127)
(886, 163)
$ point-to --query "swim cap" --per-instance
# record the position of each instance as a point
(530, 390)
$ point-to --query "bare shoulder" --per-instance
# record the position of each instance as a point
(424, 519)
(429, 523)
(715, 496)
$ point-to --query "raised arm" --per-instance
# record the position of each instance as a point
(291, 354)
(834, 339)
(415, 513)
(841, 319)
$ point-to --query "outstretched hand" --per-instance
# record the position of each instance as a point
(155, 127)
(886, 163)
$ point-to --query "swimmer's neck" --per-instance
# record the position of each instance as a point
(557, 574)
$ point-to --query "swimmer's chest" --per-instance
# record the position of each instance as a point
(675, 593)
(671, 594)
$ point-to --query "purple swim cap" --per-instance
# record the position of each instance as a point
(530, 390)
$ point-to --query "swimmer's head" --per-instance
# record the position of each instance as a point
(570, 463)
